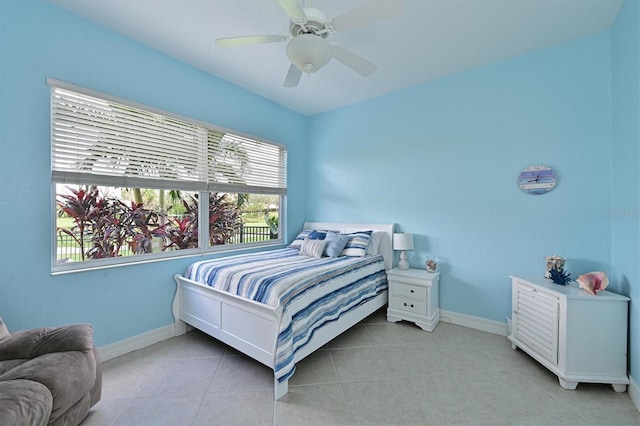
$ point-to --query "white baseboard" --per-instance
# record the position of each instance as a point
(477, 323)
(149, 338)
(143, 340)
(634, 392)
(134, 343)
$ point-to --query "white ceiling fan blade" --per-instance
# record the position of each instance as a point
(352, 60)
(249, 40)
(292, 9)
(293, 77)
(370, 12)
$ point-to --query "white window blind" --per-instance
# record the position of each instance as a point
(102, 140)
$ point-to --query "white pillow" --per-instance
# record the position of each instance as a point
(312, 248)
(374, 242)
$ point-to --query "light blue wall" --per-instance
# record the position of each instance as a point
(441, 160)
(38, 40)
(625, 194)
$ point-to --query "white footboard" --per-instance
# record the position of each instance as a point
(248, 326)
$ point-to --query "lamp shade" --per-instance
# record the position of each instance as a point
(309, 52)
(403, 241)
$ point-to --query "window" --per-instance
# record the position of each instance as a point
(128, 181)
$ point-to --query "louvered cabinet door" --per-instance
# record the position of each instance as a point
(535, 321)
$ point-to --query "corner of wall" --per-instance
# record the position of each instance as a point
(634, 392)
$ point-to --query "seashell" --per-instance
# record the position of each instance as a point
(431, 264)
(593, 282)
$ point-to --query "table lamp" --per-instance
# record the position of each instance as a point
(403, 242)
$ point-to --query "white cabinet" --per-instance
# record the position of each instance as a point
(578, 336)
(413, 296)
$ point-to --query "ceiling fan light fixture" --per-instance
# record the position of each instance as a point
(309, 52)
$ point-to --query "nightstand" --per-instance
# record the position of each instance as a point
(413, 296)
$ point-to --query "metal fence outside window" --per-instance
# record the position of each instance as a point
(252, 234)
(68, 249)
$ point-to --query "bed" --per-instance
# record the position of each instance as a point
(263, 329)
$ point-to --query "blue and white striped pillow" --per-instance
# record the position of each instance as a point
(312, 248)
(297, 243)
(357, 244)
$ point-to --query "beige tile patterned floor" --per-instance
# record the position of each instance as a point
(376, 373)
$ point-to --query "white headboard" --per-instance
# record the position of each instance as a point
(386, 244)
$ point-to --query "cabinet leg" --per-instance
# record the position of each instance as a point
(567, 384)
(392, 318)
(617, 387)
(514, 347)
(425, 327)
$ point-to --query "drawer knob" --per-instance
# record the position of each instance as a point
(412, 291)
(411, 305)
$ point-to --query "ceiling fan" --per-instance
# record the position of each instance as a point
(308, 48)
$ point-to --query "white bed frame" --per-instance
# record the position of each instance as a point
(252, 327)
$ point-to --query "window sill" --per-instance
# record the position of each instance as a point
(73, 267)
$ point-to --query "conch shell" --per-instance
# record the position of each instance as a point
(593, 282)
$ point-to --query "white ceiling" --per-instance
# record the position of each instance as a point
(431, 39)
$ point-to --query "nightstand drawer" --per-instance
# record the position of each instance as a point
(407, 290)
(409, 305)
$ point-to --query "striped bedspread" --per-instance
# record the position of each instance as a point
(309, 292)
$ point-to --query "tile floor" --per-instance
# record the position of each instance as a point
(376, 373)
